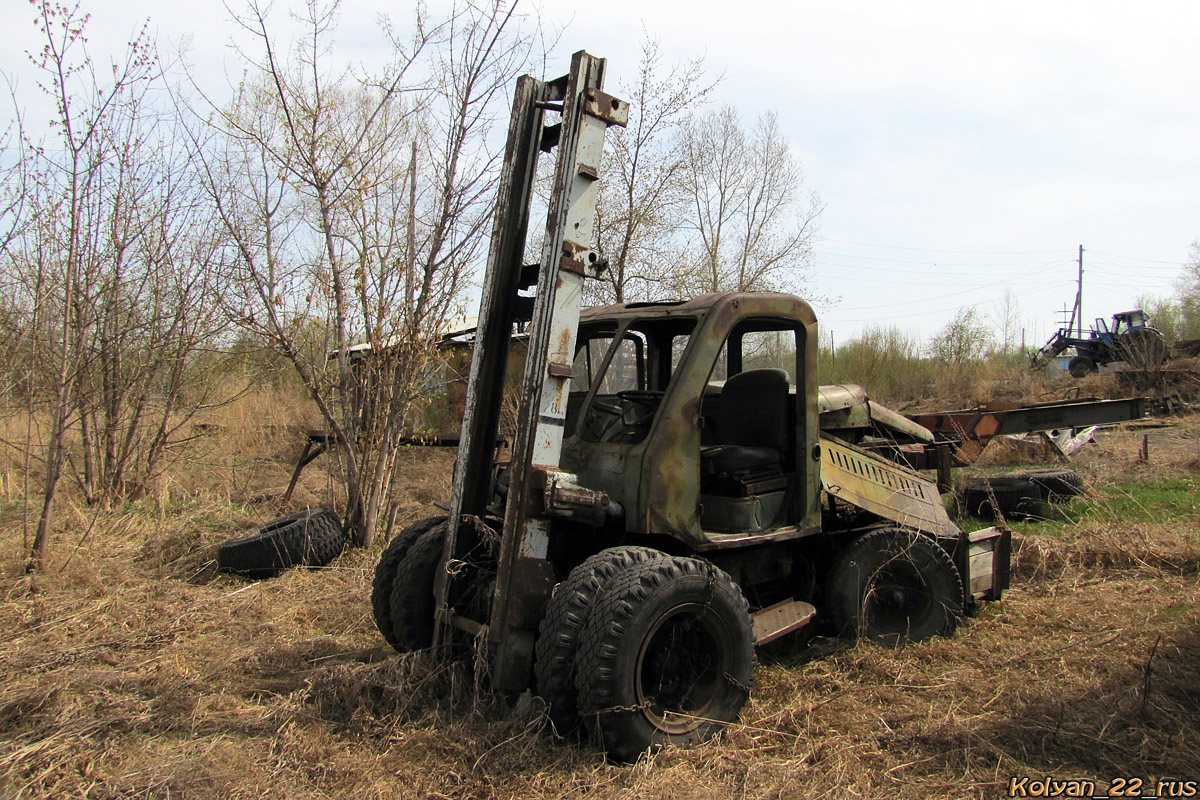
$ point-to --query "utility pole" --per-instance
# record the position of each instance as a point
(1079, 294)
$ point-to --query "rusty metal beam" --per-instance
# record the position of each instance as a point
(972, 429)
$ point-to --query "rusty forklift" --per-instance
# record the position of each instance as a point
(669, 500)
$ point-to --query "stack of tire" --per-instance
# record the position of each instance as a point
(1022, 495)
(309, 538)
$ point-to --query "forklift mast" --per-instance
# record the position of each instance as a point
(524, 578)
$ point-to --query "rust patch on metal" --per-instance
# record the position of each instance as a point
(602, 105)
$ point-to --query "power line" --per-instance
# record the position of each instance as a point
(943, 265)
(1023, 292)
(924, 312)
(958, 252)
(1135, 258)
(1128, 265)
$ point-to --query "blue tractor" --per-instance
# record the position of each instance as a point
(1131, 339)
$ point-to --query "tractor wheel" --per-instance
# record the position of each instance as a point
(412, 592)
(667, 657)
(1013, 497)
(1143, 348)
(566, 615)
(385, 573)
(895, 587)
(1055, 485)
(309, 538)
(1079, 366)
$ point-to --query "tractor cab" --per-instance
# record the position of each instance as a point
(698, 418)
(1130, 320)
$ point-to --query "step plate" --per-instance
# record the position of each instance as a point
(780, 619)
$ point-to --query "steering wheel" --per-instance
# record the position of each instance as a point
(647, 397)
(600, 425)
(624, 417)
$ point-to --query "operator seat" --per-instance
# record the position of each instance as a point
(752, 429)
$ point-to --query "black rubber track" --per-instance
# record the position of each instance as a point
(385, 573)
(666, 657)
(558, 635)
(1016, 498)
(1055, 484)
(895, 587)
(309, 538)
(412, 591)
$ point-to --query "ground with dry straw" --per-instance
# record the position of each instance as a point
(130, 669)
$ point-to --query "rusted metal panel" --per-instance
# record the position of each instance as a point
(884, 488)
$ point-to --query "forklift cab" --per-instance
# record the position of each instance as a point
(699, 418)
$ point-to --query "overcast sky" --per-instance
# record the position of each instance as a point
(962, 149)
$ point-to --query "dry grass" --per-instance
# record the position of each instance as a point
(131, 670)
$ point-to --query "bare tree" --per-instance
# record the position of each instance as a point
(111, 274)
(354, 208)
(149, 303)
(641, 196)
(751, 224)
(1187, 289)
(1006, 317)
(63, 249)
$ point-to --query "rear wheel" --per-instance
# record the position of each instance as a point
(667, 657)
(1143, 348)
(566, 614)
(895, 587)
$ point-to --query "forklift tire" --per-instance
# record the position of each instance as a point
(1055, 485)
(309, 538)
(412, 591)
(1080, 366)
(566, 614)
(666, 658)
(1015, 498)
(895, 587)
(385, 574)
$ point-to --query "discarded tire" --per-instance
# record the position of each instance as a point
(309, 538)
(895, 587)
(1015, 498)
(666, 657)
(385, 573)
(1055, 485)
(412, 591)
(566, 614)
